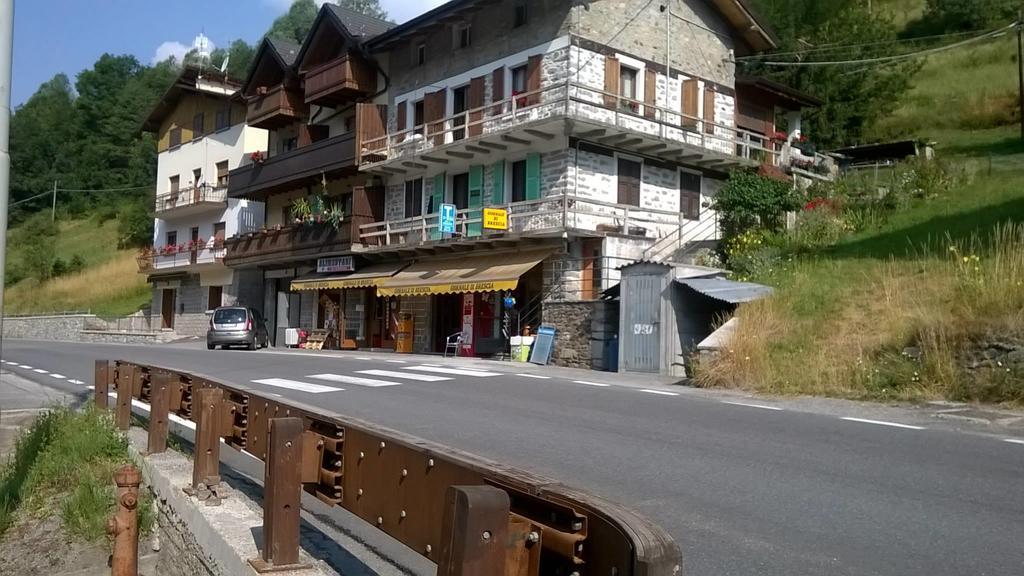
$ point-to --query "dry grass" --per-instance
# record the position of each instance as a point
(948, 301)
(114, 287)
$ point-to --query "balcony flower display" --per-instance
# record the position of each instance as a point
(315, 211)
(520, 102)
(257, 157)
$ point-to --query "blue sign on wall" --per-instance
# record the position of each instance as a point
(447, 218)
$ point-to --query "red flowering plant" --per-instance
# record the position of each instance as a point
(823, 204)
(778, 136)
(520, 102)
(257, 157)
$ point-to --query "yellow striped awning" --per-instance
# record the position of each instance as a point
(486, 273)
(369, 276)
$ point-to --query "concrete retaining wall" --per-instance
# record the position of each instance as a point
(74, 328)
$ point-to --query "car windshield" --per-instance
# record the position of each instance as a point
(229, 316)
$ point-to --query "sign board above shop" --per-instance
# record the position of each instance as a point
(335, 264)
(495, 219)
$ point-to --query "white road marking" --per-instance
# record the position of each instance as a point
(537, 376)
(57, 376)
(749, 405)
(591, 383)
(404, 375)
(368, 382)
(434, 365)
(25, 366)
(883, 423)
(77, 382)
(662, 392)
(396, 361)
(460, 372)
(1013, 440)
(363, 358)
(40, 371)
(296, 385)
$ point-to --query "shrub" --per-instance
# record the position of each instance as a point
(135, 225)
(59, 268)
(749, 201)
(36, 236)
(754, 254)
(820, 224)
(76, 265)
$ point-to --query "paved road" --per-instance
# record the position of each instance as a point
(745, 488)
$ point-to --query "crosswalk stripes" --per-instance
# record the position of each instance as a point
(297, 385)
(368, 382)
(403, 375)
(460, 372)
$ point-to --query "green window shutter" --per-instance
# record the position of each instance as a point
(533, 176)
(437, 198)
(476, 196)
(498, 196)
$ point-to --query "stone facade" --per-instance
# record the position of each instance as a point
(583, 333)
(81, 328)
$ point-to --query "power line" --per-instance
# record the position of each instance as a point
(898, 57)
(47, 193)
(103, 189)
(837, 47)
(616, 35)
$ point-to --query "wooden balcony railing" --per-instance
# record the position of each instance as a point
(571, 100)
(291, 169)
(293, 242)
(340, 79)
(274, 107)
(191, 197)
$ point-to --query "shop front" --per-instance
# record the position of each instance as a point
(477, 296)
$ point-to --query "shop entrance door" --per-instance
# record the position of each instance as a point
(447, 318)
(167, 298)
(386, 322)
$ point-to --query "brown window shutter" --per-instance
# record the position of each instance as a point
(497, 90)
(651, 94)
(371, 128)
(709, 110)
(611, 82)
(476, 103)
(690, 103)
(533, 66)
(433, 111)
(401, 119)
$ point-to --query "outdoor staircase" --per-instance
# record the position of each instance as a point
(682, 242)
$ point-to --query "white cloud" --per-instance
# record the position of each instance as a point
(168, 49)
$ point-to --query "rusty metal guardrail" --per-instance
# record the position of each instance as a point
(469, 515)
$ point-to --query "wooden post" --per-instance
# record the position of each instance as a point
(282, 489)
(101, 384)
(125, 380)
(474, 533)
(206, 469)
(160, 400)
(124, 525)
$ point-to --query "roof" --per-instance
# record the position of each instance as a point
(283, 51)
(358, 24)
(725, 290)
(209, 82)
(788, 94)
(286, 50)
(738, 13)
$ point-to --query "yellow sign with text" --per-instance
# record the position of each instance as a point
(454, 288)
(495, 219)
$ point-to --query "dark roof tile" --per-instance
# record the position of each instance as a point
(286, 49)
(358, 24)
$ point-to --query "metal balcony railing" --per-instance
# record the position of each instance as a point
(192, 196)
(571, 100)
(179, 257)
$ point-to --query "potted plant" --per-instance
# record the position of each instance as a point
(257, 157)
(301, 210)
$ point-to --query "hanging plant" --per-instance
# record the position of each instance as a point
(335, 215)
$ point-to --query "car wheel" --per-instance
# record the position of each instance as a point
(211, 346)
(252, 345)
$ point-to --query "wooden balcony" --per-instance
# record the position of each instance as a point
(290, 243)
(274, 108)
(331, 157)
(340, 80)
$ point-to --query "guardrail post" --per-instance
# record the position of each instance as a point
(101, 384)
(282, 489)
(124, 525)
(159, 406)
(206, 466)
(125, 383)
(474, 533)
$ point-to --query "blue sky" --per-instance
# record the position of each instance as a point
(69, 35)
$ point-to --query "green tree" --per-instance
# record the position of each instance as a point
(964, 15)
(749, 201)
(854, 96)
(239, 54)
(135, 224)
(368, 7)
(38, 252)
(295, 23)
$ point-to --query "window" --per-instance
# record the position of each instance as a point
(460, 191)
(215, 297)
(175, 182)
(174, 137)
(460, 102)
(350, 124)
(519, 181)
(629, 182)
(519, 83)
(418, 117)
(222, 174)
(521, 16)
(689, 195)
(627, 88)
(172, 238)
(414, 198)
(420, 55)
(223, 119)
(219, 231)
(463, 38)
(288, 144)
(197, 125)
(197, 177)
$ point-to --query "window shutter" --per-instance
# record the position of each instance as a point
(709, 110)
(533, 67)
(433, 111)
(476, 103)
(371, 129)
(611, 81)
(401, 119)
(497, 90)
(533, 176)
(690, 90)
(498, 177)
(476, 196)
(651, 93)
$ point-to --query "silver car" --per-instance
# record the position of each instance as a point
(237, 326)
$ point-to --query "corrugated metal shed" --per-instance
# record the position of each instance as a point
(726, 290)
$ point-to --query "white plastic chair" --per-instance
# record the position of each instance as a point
(452, 344)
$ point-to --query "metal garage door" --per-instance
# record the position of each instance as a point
(641, 322)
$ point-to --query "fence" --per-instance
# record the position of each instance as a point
(471, 516)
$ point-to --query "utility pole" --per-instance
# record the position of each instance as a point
(53, 211)
(6, 50)
(1020, 68)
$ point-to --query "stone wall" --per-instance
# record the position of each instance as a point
(582, 331)
(75, 328)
